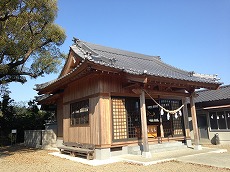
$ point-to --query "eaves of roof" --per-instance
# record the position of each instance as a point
(131, 63)
(81, 66)
(137, 64)
(223, 93)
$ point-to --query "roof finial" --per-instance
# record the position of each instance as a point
(75, 40)
(191, 73)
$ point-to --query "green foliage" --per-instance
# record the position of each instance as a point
(4, 89)
(20, 117)
(29, 39)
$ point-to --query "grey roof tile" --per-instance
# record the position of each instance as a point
(211, 95)
(136, 63)
(130, 62)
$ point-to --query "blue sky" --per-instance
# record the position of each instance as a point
(191, 35)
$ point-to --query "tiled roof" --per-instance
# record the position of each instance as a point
(43, 85)
(42, 97)
(136, 63)
(211, 95)
(133, 63)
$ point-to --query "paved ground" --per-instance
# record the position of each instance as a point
(211, 159)
(206, 156)
(21, 159)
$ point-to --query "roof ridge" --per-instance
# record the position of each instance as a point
(157, 59)
(154, 57)
(224, 86)
(221, 87)
(203, 90)
(154, 65)
(124, 54)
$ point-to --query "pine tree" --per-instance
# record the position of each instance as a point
(29, 39)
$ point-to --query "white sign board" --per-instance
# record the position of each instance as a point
(14, 131)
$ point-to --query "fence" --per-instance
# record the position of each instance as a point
(44, 139)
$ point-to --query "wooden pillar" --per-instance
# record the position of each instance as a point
(186, 123)
(161, 123)
(197, 145)
(145, 152)
(161, 127)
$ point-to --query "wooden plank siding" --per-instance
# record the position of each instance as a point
(60, 117)
(66, 122)
(79, 134)
(94, 121)
(105, 121)
(111, 83)
(81, 88)
(96, 88)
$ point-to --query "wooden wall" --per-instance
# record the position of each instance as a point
(97, 88)
(105, 121)
(66, 122)
(94, 118)
(60, 117)
(81, 88)
(111, 83)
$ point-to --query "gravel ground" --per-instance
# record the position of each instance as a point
(20, 159)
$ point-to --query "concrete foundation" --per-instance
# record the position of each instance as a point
(101, 154)
(146, 154)
(197, 147)
(189, 143)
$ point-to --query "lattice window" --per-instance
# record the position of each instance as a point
(174, 126)
(177, 122)
(133, 116)
(167, 124)
(119, 119)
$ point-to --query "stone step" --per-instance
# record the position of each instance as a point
(168, 148)
(153, 148)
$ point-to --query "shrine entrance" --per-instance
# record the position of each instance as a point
(127, 119)
(172, 124)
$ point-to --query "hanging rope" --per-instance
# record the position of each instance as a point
(166, 110)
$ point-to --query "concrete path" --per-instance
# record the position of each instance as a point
(211, 159)
(206, 156)
(185, 155)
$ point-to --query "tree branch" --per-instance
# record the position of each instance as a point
(8, 80)
(12, 74)
(7, 16)
(29, 52)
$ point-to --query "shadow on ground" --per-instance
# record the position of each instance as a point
(18, 148)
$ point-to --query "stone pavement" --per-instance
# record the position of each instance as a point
(211, 159)
(206, 156)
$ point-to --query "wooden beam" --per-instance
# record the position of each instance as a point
(177, 83)
(130, 85)
(194, 123)
(62, 82)
(137, 79)
(163, 93)
(216, 107)
(145, 152)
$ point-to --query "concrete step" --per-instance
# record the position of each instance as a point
(153, 148)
